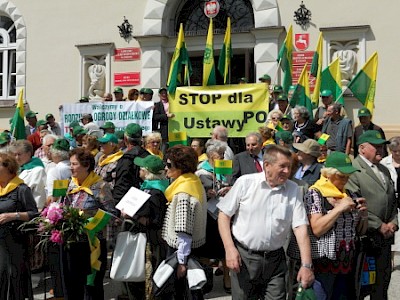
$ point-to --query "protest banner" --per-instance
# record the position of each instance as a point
(240, 108)
(120, 113)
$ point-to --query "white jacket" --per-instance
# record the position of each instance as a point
(35, 178)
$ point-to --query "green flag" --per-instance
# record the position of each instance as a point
(363, 84)
(177, 138)
(17, 123)
(208, 60)
(285, 60)
(331, 79)
(180, 58)
(226, 53)
(316, 68)
(223, 167)
(301, 95)
(60, 187)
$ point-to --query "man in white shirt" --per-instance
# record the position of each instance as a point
(265, 207)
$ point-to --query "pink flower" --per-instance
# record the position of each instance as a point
(54, 213)
(44, 212)
(41, 228)
(56, 237)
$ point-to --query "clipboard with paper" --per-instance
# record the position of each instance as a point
(132, 201)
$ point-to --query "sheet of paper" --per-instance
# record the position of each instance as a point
(132, 201)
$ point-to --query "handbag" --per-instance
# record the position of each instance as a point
(128, 262)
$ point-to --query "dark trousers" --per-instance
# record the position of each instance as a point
(383, 273)
(261, 276)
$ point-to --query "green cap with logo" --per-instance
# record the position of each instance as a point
(78, 130)
(265, 77)
(108, 138)
(286, 117)
(73, 124)
(162, 89)
(119, 134)
(326, 93)
(4, 138)
(31, 114)
(61, 144)
(118, 90)
(278, 89)
(282, 97)
(285, 136)
(41, 123)
(373, 137)
(133, 130)
(49, 116)
(84, 99)
(153, 163)
(148, 91)
(364, 112)
(340, 161)
(243, 79)
(108, 125)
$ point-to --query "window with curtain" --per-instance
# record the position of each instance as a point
(7, 58)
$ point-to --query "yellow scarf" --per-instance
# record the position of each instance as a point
(94, 152)
(86, 184)
(110, 159)
(327, 188)
(159, 154)
(186, 183)
(202, 157)
(12, 185)
(270, 141)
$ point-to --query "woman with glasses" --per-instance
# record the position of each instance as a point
(184, 227)
(152, 143)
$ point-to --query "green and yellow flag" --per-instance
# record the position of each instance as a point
(331, 79)
(95, 224)
(17, 123)
(223, 167)
(323, 138)
(364, 83)
(180, 58)
(225, 56)
(301, 95)
(285, 60)
(60, 187)
(177, 138)
(208, 60)
(316, 69)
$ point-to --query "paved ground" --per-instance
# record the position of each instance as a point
(112, 288)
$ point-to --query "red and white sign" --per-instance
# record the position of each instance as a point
(299, 59)
(301, 41)
(127, 79)
(211, 9)
(125, 54)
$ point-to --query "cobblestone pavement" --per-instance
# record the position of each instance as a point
(112, 288)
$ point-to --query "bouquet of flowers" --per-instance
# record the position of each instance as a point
(59, 224)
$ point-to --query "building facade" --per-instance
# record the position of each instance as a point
(60, 51)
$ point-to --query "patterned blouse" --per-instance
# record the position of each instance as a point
(108, 173)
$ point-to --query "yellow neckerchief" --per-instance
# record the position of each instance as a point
(327, 188)
(202, 157)
(186, 183)
(94, 152)
(270, 141)
(109, 159)
(159, 154)
(12, 185)
(86, 184)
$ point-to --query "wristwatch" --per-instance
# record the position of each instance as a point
(308, 266)
(17, 216)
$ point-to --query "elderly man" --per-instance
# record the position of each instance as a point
(107, 97)
(374, 184)
(250, 160)
(339, 129)
(220, 133)
(90, 126)
(365, 117)
(264, 207)
(119, 94)
(321, 112)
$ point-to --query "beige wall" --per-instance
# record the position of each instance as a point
(54, 28)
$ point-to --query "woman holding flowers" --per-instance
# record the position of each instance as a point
(16, 205)
(89, 192)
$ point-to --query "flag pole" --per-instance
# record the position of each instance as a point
(341, 94)
(277, 70)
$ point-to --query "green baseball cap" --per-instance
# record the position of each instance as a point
(84, 99)
(153, 163)
(73, 124)
(278, 89)
(340, 161)
(4, 138)
(364, 112)
(118, 90)
(286, 117)
(326, 93)
(285, 136)
(108, 138)
(78, 130)
(41, 123)
(119, 134)
(61, 144)
(282, 97)
(108, 125)
(133, 130)
(243, 79)
(49, 116)
(148, 91)
(292, 87)
(31, 114)
(373, 137)
(141, 91)
(162, 89)
(265, 77)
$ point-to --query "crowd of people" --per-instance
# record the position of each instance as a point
(295, 210)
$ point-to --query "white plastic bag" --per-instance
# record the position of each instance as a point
(128, 263)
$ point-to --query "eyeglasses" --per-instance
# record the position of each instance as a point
(169, 165)
(154, 142)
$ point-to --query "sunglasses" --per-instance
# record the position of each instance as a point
(169, 165)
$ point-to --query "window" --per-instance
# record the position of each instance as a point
(8, 74)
